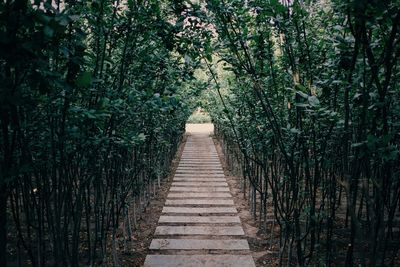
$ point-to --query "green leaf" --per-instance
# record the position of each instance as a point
(142, 137)
(302, 105)
(84, 79)
(354, 145)
(313, 100)
(74, 17)
(48, 31)
(295, 131)
(303, 95)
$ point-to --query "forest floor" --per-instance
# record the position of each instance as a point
(263, 252)
(147, 223)
(264, 248)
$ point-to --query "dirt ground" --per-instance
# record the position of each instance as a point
(148, 221)
(263, 248)
(262, 251)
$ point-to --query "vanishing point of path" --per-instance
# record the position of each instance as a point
(199, 224)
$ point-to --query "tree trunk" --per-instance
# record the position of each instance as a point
(3, 226)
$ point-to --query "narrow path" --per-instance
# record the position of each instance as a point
(199, 224)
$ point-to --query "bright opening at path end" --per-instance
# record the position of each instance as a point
(200, 128)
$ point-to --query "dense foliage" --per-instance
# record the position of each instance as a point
(91, 117)
(305, 100)
(308, 112)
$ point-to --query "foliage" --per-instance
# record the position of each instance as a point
(309, 115)
(305, 98)
(92, 111)
(199, 118)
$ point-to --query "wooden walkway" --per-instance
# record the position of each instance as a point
(199, 224)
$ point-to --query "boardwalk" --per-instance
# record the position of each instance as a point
(199, 224)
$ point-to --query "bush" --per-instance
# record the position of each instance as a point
(199, 118)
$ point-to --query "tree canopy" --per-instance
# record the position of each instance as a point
(304, 95)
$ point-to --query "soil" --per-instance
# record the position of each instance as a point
(263, 250)
(147, 223)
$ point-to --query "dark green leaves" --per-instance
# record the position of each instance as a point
(84, 79)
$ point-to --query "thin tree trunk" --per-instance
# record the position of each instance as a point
(3, 226)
